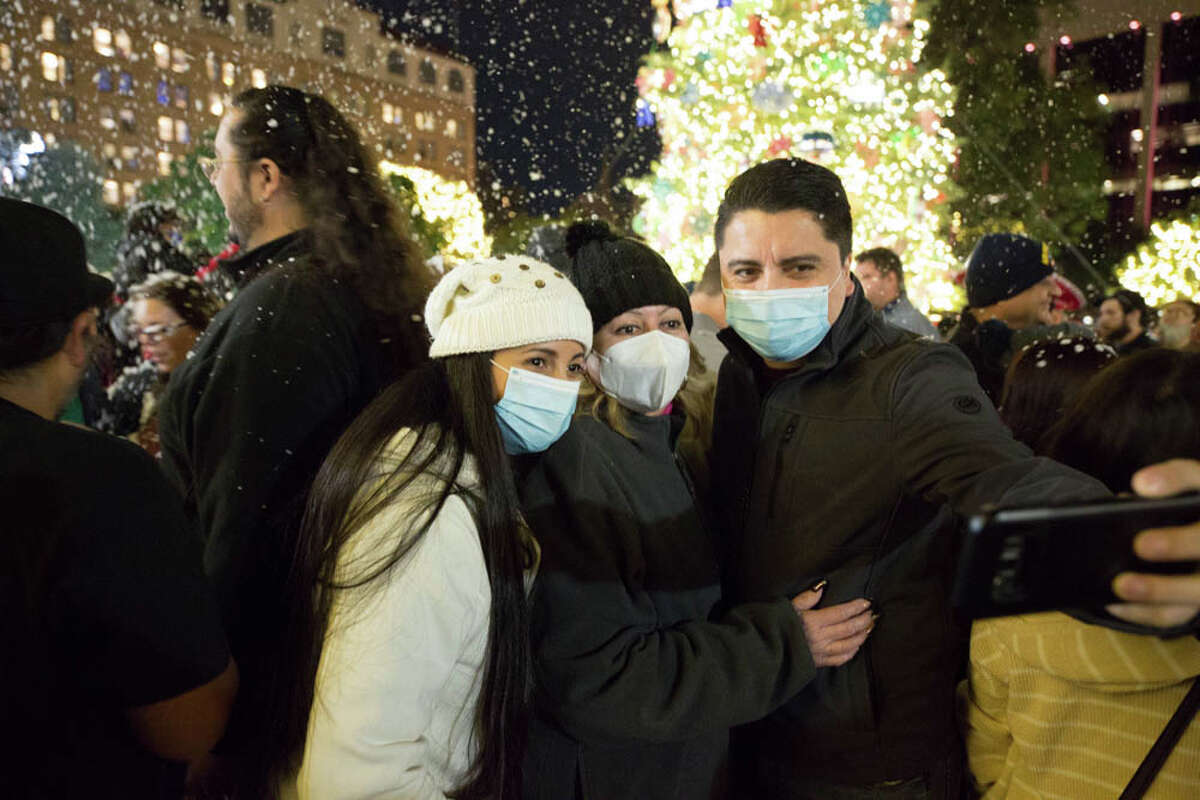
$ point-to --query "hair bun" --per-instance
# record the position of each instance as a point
(581, 233)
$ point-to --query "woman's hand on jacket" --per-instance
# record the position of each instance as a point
(834, 634)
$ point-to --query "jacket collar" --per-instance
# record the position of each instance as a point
(837, 344)
(245, 267)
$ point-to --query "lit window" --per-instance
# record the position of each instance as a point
(216, 106)
(6, 59)
(53, 66)
(426, 121)
(104, 79)
(125, 84)
(128, 121)
(212, 68)
(47, 34)
(102, 40)
(128, 191)
(52, 110)
(166, 129)
(452, 128)
(428, 72)
(387, 112)
(110, 155)
(396, 63)
(162, 93)
(162, 55)
(112, 193)
(164, 163)
(124, 44)
(228, 73)
(181, 97)
(182, 134)
(107, 120)
(129, 155)
(179, 60)
(455, 82)
(258, 78)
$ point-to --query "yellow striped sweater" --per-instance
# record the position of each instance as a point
(1058, 709)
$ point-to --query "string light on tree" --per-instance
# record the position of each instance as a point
(450, 204)
(833, 81)
(1167, 265)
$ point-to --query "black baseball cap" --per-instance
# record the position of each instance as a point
(43, 268)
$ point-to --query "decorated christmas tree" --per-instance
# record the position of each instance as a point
(836, 81)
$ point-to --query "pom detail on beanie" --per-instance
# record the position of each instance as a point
(583, 233)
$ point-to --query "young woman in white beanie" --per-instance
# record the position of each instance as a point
(639, 674)
(410, 618)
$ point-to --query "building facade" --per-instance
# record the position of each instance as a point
(1145, 59)
(137, 81)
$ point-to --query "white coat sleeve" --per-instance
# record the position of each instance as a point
(397, 686)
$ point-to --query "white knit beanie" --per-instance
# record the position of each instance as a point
(495, 303)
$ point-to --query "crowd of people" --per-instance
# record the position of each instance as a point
(319, 523)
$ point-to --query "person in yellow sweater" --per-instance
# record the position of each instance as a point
(1058, 708)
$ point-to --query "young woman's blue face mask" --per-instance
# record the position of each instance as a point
(781, 324)
(535, 410)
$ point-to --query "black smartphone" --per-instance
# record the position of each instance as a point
(1023, 560)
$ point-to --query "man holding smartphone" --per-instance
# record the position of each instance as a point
(846, 450)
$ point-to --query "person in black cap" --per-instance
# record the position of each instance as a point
(116, 670)
(624, 648)
(1010, 287)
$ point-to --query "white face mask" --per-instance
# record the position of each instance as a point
(644, 372)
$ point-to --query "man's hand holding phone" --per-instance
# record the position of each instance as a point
(1161, 600)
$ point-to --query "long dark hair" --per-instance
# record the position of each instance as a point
(1141, 410)
(447, 402)
(354, 229)
(1043, 380)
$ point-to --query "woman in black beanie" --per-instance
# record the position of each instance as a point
(635, 687)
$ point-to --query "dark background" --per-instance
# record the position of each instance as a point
(555, 87)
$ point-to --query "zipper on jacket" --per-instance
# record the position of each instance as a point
(788, 432)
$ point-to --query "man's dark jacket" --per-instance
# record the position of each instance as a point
(852, 468)
(245, 424)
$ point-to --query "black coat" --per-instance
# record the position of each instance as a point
(635, 687)
(245, 424)
(853, 468)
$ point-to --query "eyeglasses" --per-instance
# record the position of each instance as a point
(156, 333)
(209, 165)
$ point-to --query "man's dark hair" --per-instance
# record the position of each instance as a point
(27, 345)
(354, 229)
(791, 183)
(886, 261)
(1131, 301)
(710, 279)
(1141, 410)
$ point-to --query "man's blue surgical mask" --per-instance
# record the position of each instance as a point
(535, 410)
(780, 324)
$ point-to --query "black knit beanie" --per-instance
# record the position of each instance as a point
(1003, 265)
(616, 273)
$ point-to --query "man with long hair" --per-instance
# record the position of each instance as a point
(330, 288)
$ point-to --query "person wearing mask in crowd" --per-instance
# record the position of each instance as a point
(1060, 708)
(1179, 324)
(882, 277)
(1010, 287)
(408, 676)
(327, 313)
(168, 312)
(708, 315)
(116, 671)
(636, 681)
(1122, 322)
(816, 389)
(1042, 382)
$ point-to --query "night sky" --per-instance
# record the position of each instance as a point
(555, 87)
